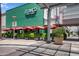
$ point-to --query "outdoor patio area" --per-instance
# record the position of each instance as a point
(22, 47)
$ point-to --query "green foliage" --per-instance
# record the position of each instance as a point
(3, 35)
(37, 35)
(8, 34)
(59, 32)
(43, 35)
(20, 35)
(68, 32)
(26, 35)
(31, 35)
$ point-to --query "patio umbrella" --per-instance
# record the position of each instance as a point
(45, 27)
(19, 28)
(54, 26)
(6, 29)
(29, 28)
(16, 28)
(39, 27)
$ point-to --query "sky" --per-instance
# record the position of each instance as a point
(8, 6)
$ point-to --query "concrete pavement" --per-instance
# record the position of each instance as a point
(37, 48)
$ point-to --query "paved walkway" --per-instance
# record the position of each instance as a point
(37, 48)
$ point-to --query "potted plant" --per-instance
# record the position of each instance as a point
(37, 37)
(42, 36)
(31, 35)
(58, 35)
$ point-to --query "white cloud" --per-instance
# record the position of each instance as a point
(3, 5)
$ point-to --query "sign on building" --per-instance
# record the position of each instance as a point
(14, 23)
(30, 11)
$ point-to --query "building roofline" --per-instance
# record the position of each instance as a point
(17, 7)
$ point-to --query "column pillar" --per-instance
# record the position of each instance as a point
(48, 24)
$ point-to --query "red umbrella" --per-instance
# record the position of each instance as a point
(29, 28)
(19, 28)
(16, 28)
(45, 27)
(7, 29)
(54, 26)
(39, 27)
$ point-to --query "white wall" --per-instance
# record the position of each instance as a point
(71, 12)
(3, 22)
(54, 12)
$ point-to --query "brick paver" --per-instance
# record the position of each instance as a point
(7, 50)
(39, 48)
(74, 54)
(65, 47)
(49, 52)
(16, 53)
(29, 54)
(61, 53)
(75, 48)
(35, 53)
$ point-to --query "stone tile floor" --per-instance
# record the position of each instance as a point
(40, 49)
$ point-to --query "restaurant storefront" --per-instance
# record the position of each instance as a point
(26, 21)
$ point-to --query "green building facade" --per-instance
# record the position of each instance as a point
(22, 17)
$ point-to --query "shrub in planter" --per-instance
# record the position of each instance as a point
(22, 35)
(37, 36)
(5, 35)
(11, 34)
(58, 35)
(8, 34)
(26, 35)
(43, 35)
(17, 35)
(31, 35)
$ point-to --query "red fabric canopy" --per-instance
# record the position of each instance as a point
(19, 28)
(29, 28)
(54, 26)
(32, 27)
(6, 29)
(39, 27)
(16, 28)
(45, 27)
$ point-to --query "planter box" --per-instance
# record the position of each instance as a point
(58, 40)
